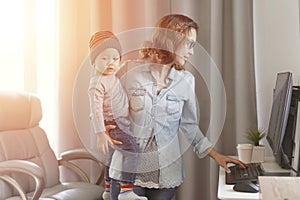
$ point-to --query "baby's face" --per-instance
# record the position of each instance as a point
(107, 62)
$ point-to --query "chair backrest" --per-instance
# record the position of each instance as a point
(21, 138)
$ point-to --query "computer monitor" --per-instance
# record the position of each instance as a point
(296, 149)
(279, 114)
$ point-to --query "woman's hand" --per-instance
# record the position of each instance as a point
(223, 160)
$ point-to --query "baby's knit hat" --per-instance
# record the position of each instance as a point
(102, 40)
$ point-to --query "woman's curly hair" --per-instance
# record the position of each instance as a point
(170, 31)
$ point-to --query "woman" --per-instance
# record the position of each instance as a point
(162, 105)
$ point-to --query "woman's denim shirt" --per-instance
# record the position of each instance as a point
(169, 115)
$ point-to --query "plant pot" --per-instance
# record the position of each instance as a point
(245, 152)
(258, 154)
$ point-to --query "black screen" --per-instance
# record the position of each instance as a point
(280, 111)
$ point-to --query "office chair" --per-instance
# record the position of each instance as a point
(29, 168)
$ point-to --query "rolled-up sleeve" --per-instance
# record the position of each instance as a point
(189, 126)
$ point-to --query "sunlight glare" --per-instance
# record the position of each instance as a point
(11, 45)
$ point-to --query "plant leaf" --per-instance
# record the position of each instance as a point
(255, 135)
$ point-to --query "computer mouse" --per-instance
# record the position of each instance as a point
(246, 187)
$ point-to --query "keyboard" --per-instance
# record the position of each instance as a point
(239, 174)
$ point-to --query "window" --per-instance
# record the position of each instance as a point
(29, 52)
(11, 45)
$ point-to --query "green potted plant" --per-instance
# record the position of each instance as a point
(255, 136)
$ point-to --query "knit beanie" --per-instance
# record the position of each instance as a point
(100, 41)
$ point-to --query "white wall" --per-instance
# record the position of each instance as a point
(277, 48)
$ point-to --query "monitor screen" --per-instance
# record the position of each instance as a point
(280, 111)
(296, 150)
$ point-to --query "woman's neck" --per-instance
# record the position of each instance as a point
(161, 73)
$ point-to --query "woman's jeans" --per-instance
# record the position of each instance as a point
(128, 148)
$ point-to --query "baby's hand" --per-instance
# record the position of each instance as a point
(102, 142)
(111, 140)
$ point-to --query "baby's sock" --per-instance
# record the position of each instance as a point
(107, 186)
(126, 193)
(126, 188)
(106, 193)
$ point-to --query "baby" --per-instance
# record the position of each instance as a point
(109, 106)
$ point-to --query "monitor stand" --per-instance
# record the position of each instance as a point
(273, 169)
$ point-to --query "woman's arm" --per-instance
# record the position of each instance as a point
(223, 160)
(189, 123)
(189, 126)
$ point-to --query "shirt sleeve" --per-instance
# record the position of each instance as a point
(189, 126)
(96, 97)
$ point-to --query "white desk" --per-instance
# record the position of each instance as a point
(226, 192)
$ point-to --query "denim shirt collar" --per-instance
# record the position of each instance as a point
(174, 75)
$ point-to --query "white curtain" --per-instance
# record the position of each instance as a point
(226, 32)
(28, 53)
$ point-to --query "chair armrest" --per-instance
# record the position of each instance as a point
(26, 167)
(77, 154)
